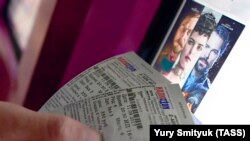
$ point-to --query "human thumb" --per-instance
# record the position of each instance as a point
(21, 124)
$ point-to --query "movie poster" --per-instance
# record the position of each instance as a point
(173, 43)
(196, 49)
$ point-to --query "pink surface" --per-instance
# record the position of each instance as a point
(112, 27)
(83, 33)
(8, 65)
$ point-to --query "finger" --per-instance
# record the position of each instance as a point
(20, 124)
(190, 106)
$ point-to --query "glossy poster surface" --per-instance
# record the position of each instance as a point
(195, 50)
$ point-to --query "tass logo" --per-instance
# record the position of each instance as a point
(163, 100)
(127, 65)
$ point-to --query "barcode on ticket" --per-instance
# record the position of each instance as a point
(134, 110)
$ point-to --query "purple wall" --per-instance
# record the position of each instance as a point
(82, 33)
(112, 27)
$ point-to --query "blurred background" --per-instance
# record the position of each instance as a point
(45, 43)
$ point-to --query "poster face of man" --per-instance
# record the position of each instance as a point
(210, 53)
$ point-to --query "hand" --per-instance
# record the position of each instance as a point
(20, 124)
(185, 94)
(189, 105)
